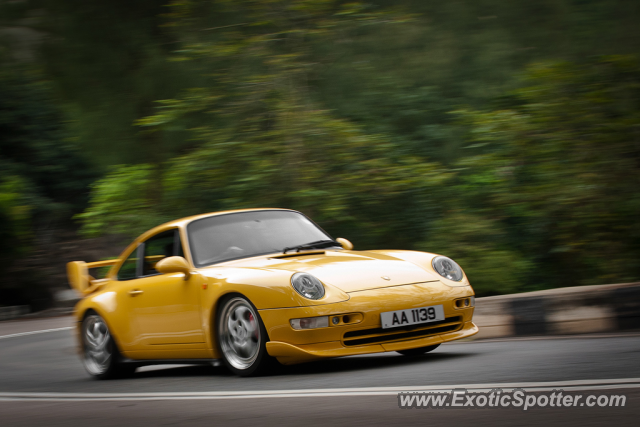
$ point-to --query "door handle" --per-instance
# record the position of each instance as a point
(135, 292)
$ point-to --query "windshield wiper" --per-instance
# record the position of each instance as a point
(318, 244)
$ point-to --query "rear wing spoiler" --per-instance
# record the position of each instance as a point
(79, 278)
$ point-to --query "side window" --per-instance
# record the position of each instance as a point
(128, 269)
(160, 246)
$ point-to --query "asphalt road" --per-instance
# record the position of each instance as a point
(47, 363)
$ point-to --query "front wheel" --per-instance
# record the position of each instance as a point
(418, 351)
(242, 337)
(101, 357)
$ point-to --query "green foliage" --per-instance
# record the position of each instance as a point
(417, 124)
(481, 246)
(122, 202)
(307, 161)
(43, 180)
(33, 146)
(558, 177)
(107, 62)
(543, 195)
(402, 80)
(263, 140)
(15, 216)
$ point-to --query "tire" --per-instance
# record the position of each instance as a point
(100, 355)
(242, 337)
(418, 351)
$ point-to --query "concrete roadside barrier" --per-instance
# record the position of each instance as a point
(13, 311)
(562, 311)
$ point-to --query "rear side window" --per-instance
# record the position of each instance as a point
(128, 270)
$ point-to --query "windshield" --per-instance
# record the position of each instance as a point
(245, 234)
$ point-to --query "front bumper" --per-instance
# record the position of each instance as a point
(291, 346)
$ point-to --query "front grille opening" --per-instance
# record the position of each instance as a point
(379, 335)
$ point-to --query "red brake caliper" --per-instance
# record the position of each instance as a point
(253, 323)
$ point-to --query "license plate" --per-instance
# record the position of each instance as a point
(412, 316)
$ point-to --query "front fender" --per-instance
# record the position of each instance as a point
(423, 260)
(266, 289)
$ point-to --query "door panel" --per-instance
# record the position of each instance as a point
(165, 309)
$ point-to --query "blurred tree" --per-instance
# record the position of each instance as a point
(341, 110)
(107, 63)
(43, 180)
(554, 181)
(264, 141)
(531, 205)
(15, 213)
(402, 80)
(481, 246)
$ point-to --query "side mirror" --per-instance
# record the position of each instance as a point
(345, 243)
(174, 264)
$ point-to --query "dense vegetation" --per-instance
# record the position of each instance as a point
(505, 135)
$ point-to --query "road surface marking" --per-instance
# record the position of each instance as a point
(36, 332)
(579, 385)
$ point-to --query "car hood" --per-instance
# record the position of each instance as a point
(349, 271)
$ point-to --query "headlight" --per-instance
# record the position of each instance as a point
(307, 285)
(447, 268)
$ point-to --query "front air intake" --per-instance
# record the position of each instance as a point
(379, 335)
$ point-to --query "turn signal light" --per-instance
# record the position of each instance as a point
(310, 322)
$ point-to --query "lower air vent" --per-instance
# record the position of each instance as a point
(379, 335)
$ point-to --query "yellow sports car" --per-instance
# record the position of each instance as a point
(253, 286)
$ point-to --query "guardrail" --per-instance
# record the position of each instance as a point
(562, 311)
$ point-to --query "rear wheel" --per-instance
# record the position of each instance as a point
(242, 337)
(101, 357)
(418, 351)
